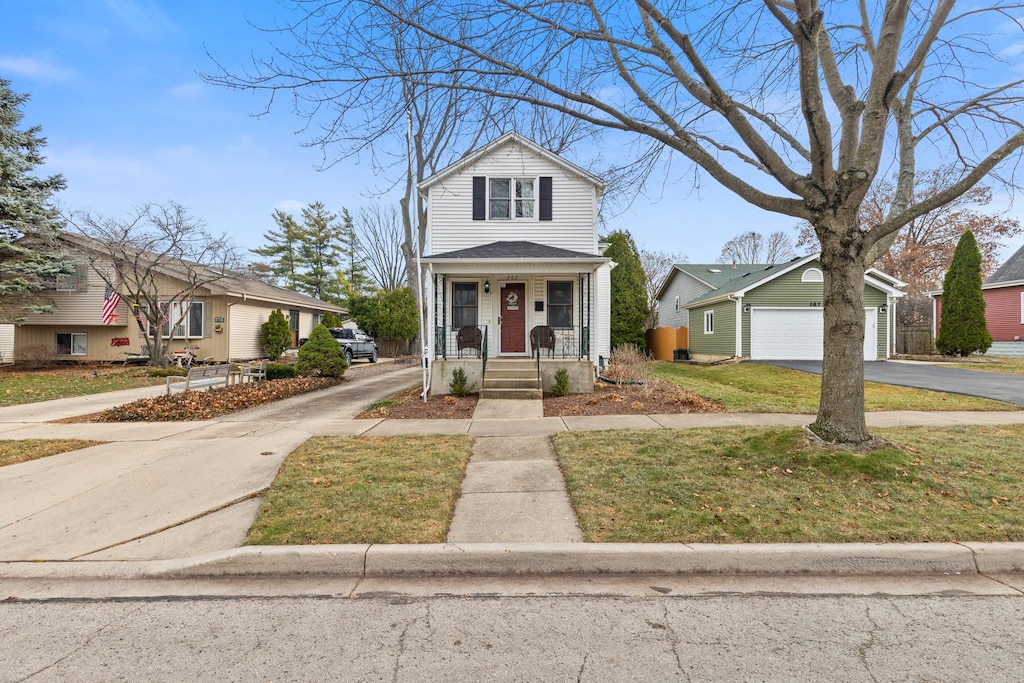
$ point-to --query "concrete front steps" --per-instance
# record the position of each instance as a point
(511, 378)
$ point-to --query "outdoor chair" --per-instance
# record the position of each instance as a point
(543, 337)
(469, 337)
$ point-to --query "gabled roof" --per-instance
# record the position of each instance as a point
(1011, 271)
(511, 137)
(754, 276)
(227, 282)
(515, 250)
(711, 275)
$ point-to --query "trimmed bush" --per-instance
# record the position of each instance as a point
(561, 385)
(275, 335)
(321, 355)
(962, 327)
(280, 371)
(457, 386)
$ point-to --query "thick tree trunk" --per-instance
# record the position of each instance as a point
(841, 408)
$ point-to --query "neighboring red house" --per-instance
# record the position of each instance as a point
(1004, 307)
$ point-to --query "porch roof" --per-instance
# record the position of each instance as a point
(518, 253)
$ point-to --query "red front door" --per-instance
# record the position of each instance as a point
(513, 317)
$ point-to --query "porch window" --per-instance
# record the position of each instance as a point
(464, 304)
(511, 197)
(709, 322)
(73, 344)
(560, 304)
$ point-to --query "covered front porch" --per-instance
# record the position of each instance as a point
(543, 305)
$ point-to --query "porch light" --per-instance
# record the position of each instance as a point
(884, 308)
(487, 286)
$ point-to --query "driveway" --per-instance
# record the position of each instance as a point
(994, 385)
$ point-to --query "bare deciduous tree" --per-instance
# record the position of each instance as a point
(657, 265)
(353, 70)
(794, 105)
(156, 259)
(752, 247)
(380, 232)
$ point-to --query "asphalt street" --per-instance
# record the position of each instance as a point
(397, 637)
(994, 385)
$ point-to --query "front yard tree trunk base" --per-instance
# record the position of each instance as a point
(841, 407)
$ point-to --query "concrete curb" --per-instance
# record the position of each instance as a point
(552, 559)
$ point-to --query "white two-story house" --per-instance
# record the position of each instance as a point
(513, 263)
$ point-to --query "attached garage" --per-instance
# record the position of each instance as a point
(798, 334)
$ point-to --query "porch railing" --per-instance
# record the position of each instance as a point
(568, 343)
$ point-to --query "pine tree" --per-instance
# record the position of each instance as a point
(962, 328)
(30, 257)
(628, 291)
(282, 250)
(320, 253)
(353, 260)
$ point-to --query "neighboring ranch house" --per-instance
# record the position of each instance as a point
(768, 312)
(224, 317)
(1004, 307)
(514, 265)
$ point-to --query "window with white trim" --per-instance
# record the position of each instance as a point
(709, 322)
(677, 304)
(560, 304)
(190, 326)
(72, 344)
(510, 198)
(812, 275)
(464, 304)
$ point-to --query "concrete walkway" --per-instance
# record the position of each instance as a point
(163, 499)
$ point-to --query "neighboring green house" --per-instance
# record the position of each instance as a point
(770, 312)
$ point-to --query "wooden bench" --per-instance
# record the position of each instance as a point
(202, 377)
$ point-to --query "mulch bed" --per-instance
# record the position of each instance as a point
(656, 397)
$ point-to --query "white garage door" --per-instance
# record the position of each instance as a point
(798, 334)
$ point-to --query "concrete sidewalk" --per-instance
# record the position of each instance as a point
(176, 499)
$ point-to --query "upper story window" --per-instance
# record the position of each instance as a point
(512, 198)
(812, 275)
(67, 282)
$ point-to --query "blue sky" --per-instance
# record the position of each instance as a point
(114, 85)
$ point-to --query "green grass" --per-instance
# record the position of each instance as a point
(767, 486)
(19, 387)
(1009, 366)
(364, 490)
(23, 450)
(759, 388)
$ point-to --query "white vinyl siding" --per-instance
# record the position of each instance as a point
(6, 343)
(244, 327)
(573, 200)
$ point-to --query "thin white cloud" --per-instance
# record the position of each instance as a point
(292, 206)
(141, 17)
(42, 67)
(187, 91)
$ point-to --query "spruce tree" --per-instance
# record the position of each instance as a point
(30, 256)
(275, 334)
(628, 291)
(320, 253)
(353, 260)
(962, 329)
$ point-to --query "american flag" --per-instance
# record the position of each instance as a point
(110, 301)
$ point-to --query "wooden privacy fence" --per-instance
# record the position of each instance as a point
(662, 341)
(914, 340)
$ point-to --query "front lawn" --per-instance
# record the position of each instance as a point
(399, 489)
(23, 450)
(760, 388)
(30, 386)
(759, 485)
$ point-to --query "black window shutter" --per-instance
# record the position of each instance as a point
(479, 198)
(545, 198)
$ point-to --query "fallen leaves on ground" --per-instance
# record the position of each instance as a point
(203, 405)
